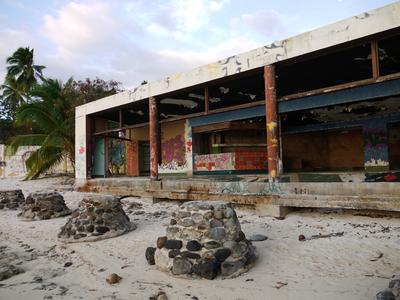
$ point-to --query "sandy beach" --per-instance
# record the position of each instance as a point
(355, 265)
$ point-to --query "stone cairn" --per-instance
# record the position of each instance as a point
(204, 239)
(97, 217)
(43, 206)
(11, 199)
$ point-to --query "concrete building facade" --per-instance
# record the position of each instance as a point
(323, 106)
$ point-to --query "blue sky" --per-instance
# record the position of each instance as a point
(132, 41)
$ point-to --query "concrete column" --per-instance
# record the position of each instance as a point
(273, 138)
(154, 140)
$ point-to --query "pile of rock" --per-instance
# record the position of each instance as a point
(392, 292)
(11, 199)
(97, 217)
(204, 239)
(43, 206)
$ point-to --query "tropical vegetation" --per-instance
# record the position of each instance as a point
(45, 110)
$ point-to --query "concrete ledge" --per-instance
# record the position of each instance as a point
(270, 200)
(271, 210)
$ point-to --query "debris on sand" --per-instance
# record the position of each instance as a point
(113, 278)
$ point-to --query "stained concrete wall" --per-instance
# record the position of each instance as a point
(15, 164)
(337, 150)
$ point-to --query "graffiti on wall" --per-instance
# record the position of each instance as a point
(80, 159)
(215, 162)
(376, 153)
(117, 158)
(173, 155)
(242, 187)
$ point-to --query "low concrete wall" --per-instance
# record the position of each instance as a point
(15, 164)
(377, 196)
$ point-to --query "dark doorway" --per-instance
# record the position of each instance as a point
(144, 158)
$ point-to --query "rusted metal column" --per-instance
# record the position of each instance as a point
(271, 107)
(154, 132)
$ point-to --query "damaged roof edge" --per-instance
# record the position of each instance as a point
(365, 24)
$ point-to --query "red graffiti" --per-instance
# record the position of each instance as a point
(390, 177)
(81, 150)
(189, 146)
(173, 150)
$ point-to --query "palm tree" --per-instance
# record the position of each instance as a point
(22, 68)
(11, 97)
(53, 115)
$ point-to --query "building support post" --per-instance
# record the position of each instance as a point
(273, 138)
(154, 144)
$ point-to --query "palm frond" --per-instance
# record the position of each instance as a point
(23, 140)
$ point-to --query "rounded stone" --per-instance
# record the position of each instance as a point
(207, 269)
(229, 213)
(173, 244)
(385, 295)
(90, 228)
(102, 229)
(217, 233)
(222, 254)
(183, 214)
(161, 241)
(239, 250)
(181, 266)
(212, 245)
(149, 254)
(228, 268)
(172, 222)
(173, 253)
(190, 255)
(216, 223)
(193, 245)
(187, 222)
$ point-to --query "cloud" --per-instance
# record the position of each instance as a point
(80, 26)
(11, 40)
(265, 22)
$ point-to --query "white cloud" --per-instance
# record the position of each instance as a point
(11, 40)
(265, 22)
(80, 26)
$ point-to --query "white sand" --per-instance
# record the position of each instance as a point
(328, 268)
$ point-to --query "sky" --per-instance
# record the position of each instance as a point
(132, 41)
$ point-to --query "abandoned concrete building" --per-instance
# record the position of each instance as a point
(310, 121)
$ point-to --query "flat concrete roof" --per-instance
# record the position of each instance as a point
(365, 24)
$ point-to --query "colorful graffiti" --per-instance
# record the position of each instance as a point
(117, 158)
(376, 153)
(214, 162)
(173, 150)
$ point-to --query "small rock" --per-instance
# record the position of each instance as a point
(385, 295)
(173, 253)
(230, 267)
(212, 245)
(302, 238)
(161, 241)
(193, 245)
(113, 278)
(172, 222)
(181, 266)
(216, 223)
(222, 254)
(150, 255)
(67, 264)
(207, 269)
(187, 222)
(7, 271)
(173, 244)
(258, 238)
(217, 233)
(191, 255)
